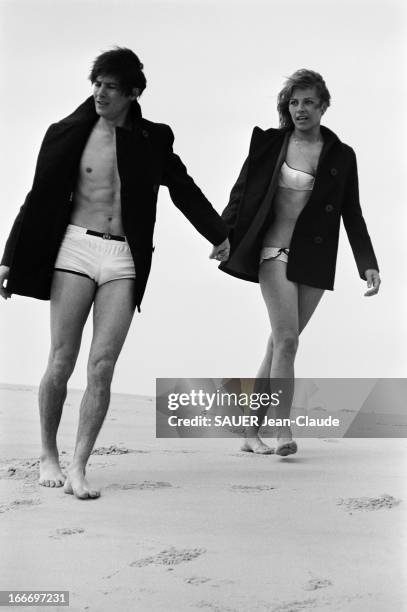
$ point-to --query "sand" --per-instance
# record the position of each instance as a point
(193, 524)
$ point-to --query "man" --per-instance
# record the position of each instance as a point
(83, 237)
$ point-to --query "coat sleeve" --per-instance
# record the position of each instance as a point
(9, 249)
(355, 225)
(230, 213)
(8, 253)
(190, 200)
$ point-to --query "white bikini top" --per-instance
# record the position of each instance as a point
(290, 178)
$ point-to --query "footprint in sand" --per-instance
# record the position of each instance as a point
(24, 469)
(113, 449)
(196, 580)
(66, 531)
(170, 556)
(252, 488)
(19, 503)
(317, 583)
(21, 469)
(295, 606)
(146, 484)
(369, 503)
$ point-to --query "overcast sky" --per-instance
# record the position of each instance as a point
(214, 69)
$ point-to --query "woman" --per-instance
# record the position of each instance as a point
(284, 217)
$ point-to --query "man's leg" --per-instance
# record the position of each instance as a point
(112, 315)
(71, 299)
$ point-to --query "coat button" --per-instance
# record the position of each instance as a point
(145, 133)
(155, 188)
(329, 208)
(334, 171)
(317, 239)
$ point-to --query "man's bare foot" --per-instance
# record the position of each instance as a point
(76, 484)
(50, 472)
(254, 444)
(285, 443)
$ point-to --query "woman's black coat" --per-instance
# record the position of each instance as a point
(314, 244)
(145, 161)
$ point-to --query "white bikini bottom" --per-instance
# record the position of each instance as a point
(276, 253)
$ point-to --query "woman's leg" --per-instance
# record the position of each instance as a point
(281, 298)
(290, 307)
(308, 300)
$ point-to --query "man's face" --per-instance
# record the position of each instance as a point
(305, 108)
(110, 102)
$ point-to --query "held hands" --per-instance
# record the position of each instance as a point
(373, 282)
(4, 270)
(221, 252)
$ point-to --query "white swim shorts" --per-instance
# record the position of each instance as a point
(100, 257)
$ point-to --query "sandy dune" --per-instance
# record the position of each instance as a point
(187, 525)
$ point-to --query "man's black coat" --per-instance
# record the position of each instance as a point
(145, 160)
(314, 244)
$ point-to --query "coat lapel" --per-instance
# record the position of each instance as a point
(327, 170)
(67, 139)
(265, 148)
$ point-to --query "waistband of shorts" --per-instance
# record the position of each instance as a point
(79, 230)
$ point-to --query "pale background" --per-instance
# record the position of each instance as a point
(214, 69)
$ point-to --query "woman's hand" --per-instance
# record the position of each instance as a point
(4, 271)
(373, 282)
(221, 252)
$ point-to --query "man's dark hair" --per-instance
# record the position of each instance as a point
(301, 79)
(124, 65)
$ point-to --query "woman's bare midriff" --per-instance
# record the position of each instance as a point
(287, 206)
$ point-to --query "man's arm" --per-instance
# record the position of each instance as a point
(4, 271)
(8, 253)
(12, 239)
(229, 214)
(190, 200)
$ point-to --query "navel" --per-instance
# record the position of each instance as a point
(88, 169)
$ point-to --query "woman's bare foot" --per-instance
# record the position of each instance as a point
(50, 472)
(285, 443)
(76, 484)
(253, 444)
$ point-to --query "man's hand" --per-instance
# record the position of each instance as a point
(4, 270)
(221, 252)
(373, 282)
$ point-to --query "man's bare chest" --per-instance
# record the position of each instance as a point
(99, 161)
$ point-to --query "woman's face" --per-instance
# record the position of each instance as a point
(305, 108)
